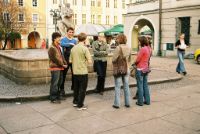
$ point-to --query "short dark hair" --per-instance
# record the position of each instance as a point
(70, 28)
(121, 39)
(82, 37)
(55, 35)
(143, 41)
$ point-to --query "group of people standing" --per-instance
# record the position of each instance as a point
(68, 53)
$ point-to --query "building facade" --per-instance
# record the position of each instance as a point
(37, 29)
(166, 19)
(102, 12)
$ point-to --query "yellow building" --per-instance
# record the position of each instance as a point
(37, 29)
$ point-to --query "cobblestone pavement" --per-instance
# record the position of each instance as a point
(175, 109)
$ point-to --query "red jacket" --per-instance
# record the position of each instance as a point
(142, 61)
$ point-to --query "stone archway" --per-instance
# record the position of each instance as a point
(33, 39)
(135, 33)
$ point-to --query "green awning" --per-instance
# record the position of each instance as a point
(117, 29)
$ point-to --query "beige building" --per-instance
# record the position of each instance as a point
(102, 12)
(175, 17)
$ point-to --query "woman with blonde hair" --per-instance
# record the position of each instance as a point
(122, 50)
(181, 46)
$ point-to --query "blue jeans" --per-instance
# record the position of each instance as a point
(142, 88)
(56, 80)
(125, 80)
(180, 67)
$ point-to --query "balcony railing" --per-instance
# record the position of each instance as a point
(144, 1)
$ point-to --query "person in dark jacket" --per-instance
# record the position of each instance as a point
(181, 46)
(100, 50)
(57, 63)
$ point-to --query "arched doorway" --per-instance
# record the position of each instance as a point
(33, 39)
(142, 27)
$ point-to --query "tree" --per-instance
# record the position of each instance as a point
(14, 19)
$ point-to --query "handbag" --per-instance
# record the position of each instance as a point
(120, 65)
(133, 70)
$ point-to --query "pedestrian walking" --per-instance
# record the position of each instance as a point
(57, 63)
(100, 50)
(122, 50)
(142, 64)
(67, 43)
(80, 58)
(181, 46)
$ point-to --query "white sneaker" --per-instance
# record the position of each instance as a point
(82, 108)
(75, 105)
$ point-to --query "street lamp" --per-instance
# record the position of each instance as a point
(56, 15)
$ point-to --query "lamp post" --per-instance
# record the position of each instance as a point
(160, 30)
(56, 15)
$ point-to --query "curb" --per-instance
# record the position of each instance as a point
(45, 96)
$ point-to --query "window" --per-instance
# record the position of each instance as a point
(99, 3)
(54, 1)
(107, 20)
(83, 18)
(99, 19)
(199, 28)
(115, 20)
(93, 19)
(6, 1)
(107, 3)
(123, 19)
(183, 26)
(20, 2)
(6, 17)
(74, 2)
(35, 4)
(83, 2)
(75, 19)
(64, 1)
(115, 3)
(123, 4)
(35, 18)
(21, 17)
(92, 3)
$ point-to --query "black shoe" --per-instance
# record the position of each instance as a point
(96, 91)
(117, 107)
(146, 103)
(62, 98)
(101, 93)
(135, 98)
(138, 104)
(127, 106)
(56, 101)
(184, 73)
(178, 72)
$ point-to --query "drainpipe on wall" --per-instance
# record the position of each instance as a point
(160, 30)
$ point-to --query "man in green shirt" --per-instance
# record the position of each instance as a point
(80, 58)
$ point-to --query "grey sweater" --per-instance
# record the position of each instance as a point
(100, 50)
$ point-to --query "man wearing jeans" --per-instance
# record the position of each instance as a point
(80, 58)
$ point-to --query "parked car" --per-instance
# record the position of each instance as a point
(197, 56)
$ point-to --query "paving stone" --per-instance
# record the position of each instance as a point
(158, 126)
(87, 125)
(186, 119)
(24, 122)
(50, 129)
